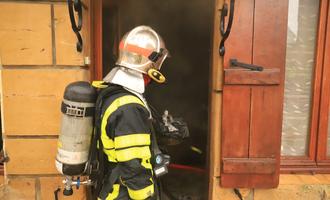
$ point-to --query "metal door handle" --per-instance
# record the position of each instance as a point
(234, 63)
(76, 6)
(225, 33)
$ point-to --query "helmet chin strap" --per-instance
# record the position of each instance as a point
(155, 75)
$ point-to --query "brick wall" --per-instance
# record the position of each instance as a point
(38, 59)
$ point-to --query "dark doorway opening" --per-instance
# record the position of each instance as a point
(186, 29)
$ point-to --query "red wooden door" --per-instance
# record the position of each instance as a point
(253, 100)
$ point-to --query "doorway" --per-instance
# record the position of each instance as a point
(186, 28)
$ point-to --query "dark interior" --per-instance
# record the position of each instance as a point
(186, 29)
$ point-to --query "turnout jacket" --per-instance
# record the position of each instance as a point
(126, 139)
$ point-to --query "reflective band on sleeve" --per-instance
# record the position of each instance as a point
(141, 194)
(132, 140)
(115, 192)
(146, 164)
(109, 148)
(107, 142)
(132, 153)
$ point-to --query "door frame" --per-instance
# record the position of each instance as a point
(215, 96)
(97, 39)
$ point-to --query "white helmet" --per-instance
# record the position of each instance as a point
(143, 50)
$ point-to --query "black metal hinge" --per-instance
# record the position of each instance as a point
(225, 33)
(234, 63)
(76, 6)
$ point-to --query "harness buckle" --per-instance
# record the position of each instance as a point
(76, 111)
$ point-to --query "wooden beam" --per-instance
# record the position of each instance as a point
(249, 165)
(248, 77)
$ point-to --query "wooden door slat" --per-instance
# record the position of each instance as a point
(248, 77)
(249, 165)
(239, 43)
(266, 122)
(235, 122)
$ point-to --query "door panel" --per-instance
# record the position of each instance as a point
(239, 42)
(235, 140)
(265, 126)
(253, 100)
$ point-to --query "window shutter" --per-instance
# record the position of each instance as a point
(253, 100)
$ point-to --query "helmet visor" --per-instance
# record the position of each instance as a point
(158, 64)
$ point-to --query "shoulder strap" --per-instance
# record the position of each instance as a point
(96, 156)
(154, 144)
(109, 181)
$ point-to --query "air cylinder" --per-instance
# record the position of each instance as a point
(77, 109)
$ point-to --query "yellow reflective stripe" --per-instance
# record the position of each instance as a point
(132, 153)
(128, 99)
(121, 101)
(115, 192)
(107, 142)
(99, 84)
(132, 140)
(146, 163)
(141, 194)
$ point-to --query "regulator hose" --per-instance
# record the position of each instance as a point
(187, 168)
(56, 193)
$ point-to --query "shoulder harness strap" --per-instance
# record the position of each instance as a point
(96, 155)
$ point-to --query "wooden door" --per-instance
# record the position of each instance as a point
(253, 100)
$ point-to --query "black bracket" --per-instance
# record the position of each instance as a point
(234, 63)
(76, 6)
(225, 33)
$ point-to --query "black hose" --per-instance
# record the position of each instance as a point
(56, 193)
(155, 113)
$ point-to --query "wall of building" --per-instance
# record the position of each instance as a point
(38, 59)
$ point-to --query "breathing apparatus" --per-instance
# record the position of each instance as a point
(78, 107)
(74, 157)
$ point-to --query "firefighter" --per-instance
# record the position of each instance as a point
(125, 130)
